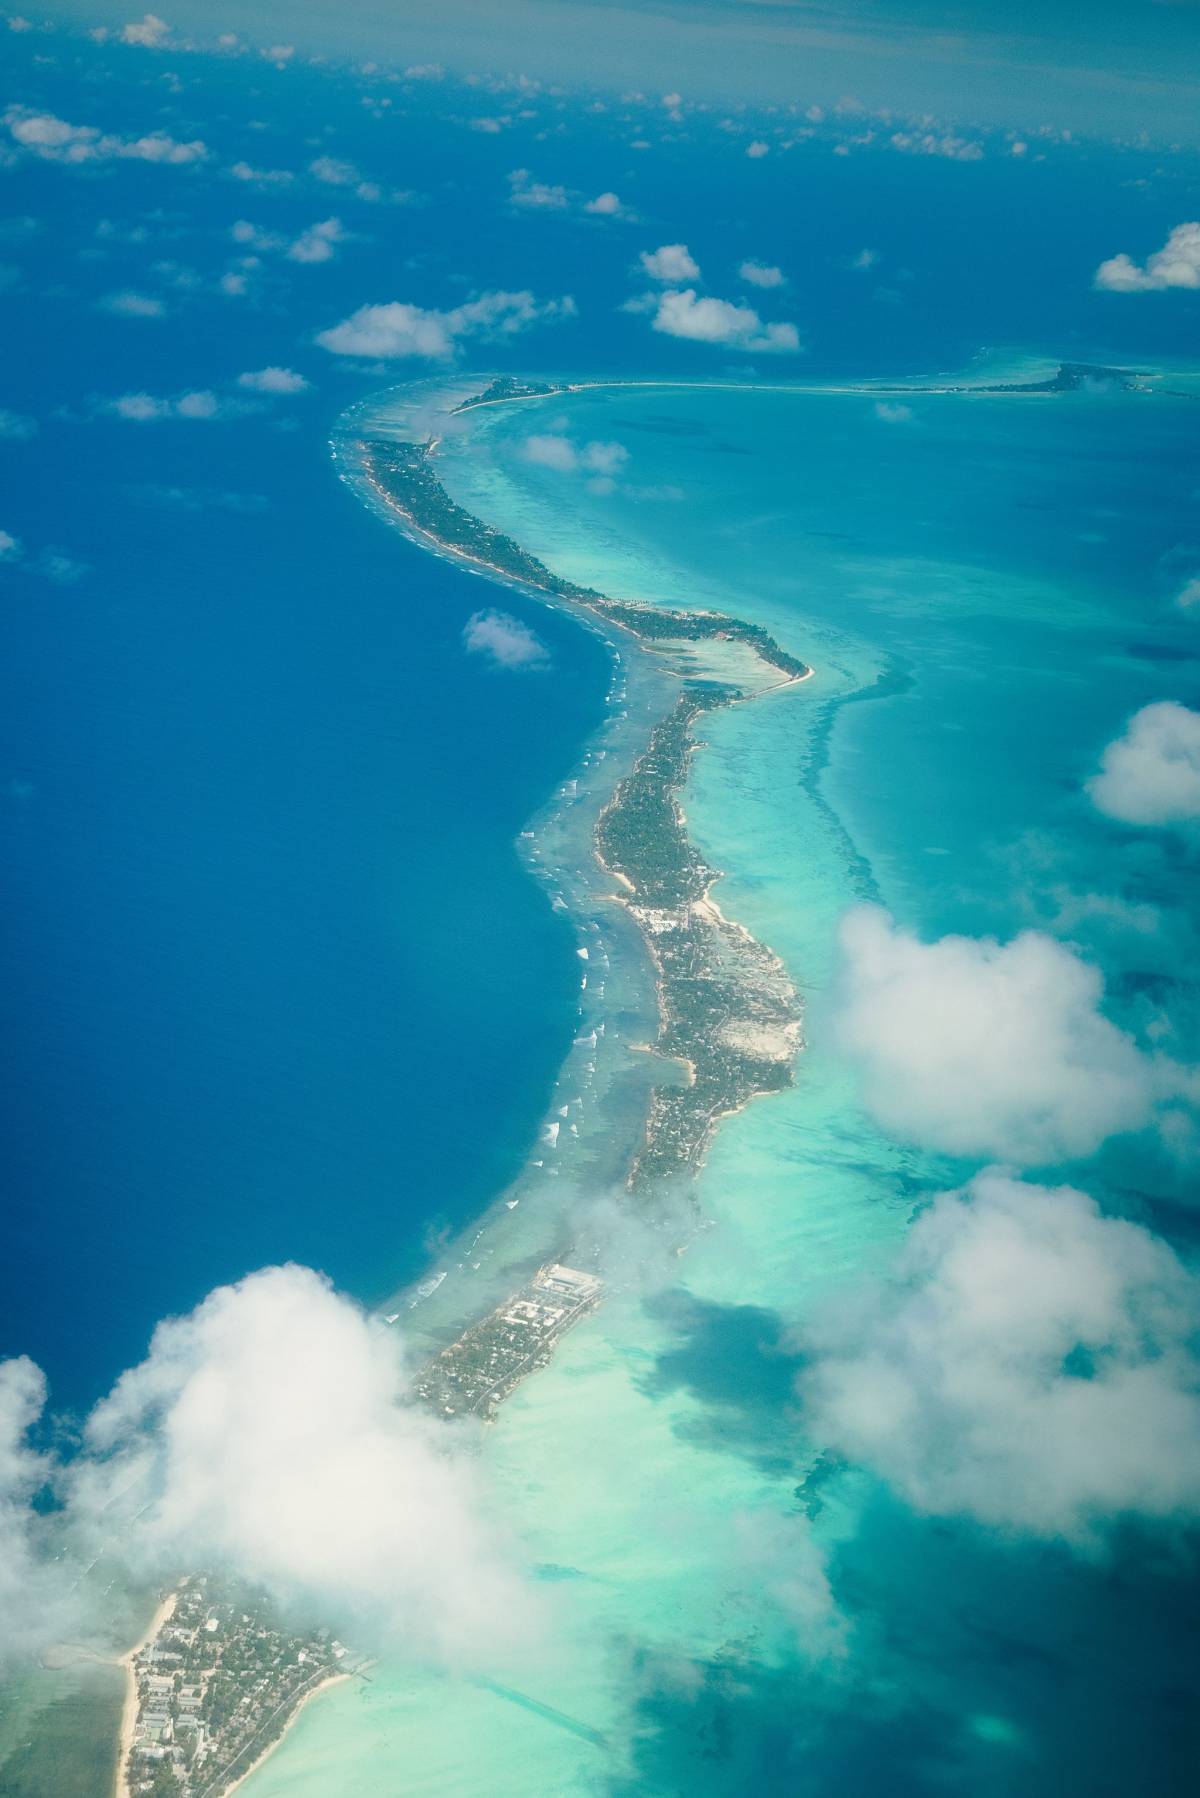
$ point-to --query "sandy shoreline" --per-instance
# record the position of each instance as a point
(332, 1679)
(129, 1708)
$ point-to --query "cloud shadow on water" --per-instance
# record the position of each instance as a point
(736, 1361)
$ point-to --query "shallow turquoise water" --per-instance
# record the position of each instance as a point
(985, 592)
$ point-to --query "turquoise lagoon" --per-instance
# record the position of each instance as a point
(985, 586)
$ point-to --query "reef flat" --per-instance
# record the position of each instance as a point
(728, 1013)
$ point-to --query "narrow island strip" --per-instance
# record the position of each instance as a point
(219, 1678)
(728, 1013)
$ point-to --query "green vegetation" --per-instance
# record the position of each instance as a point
(216, 1686)
(1069, 378)
(728, 1008)
(403, 475)
(504, 387)
(640, 833)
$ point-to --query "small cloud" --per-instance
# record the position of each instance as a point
(929, 143)
(1177, 264)
(197, 405)
(762, 274)
(15, 427)
(54, 566)
(149, 32)
(893, 414)
(552, 449)
(671, 262)
(1151, 774)
(132, 305)
(604, 458)
(279, 54)
(49, 564)
(536, 195)
(147, 408)
(244, 171)
(398, 329)
(272, 380)
(334, 172)
(606, 205)
(424, 71)
(681, 313)
(757, 149)
(53, 139)
(864, 260)
(504, 641)
(318, 243)
(1188, 595)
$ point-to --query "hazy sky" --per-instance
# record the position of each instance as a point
(1109, 66)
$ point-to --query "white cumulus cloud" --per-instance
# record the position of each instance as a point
(986, 1048)
(272, 380)
(149, 32)
(762, 274)
(537, 195)
(55, 140)
(1032, 1363)
(682, 313)
(149, 408)
(671, 262)
(268, 1435)
(931, 143)
(397, 329)
(553, 449)
(318, 243)
(503, 640)
(1177, 264)
(1151, 774)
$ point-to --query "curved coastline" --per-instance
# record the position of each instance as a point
(728, 1013)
